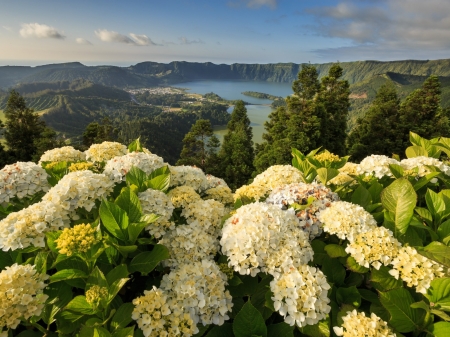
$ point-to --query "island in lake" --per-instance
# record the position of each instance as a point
(260, 95)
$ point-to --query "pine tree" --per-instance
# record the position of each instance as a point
(23, 128)
(199, 145)
(334, 94)
(99, 132)
(237, 154)
(377, 133)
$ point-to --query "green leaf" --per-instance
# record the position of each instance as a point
(425, 215)
(59, 295)
(385, 280)
(355, 266)
(425, 180)
(325, 174)
(319, 251)
(122, 317)
(249, 322)
(67, 274)
(115, 287)
(396, 170)
(136, 177)
(280, 330)
(440, 329)
(51, 237)
(80, 305)
(96, 278)
(129, 202)
(118, 272)
(40, 261)
(321, 329)
(439, 293)
(398, 303)
(145, 262)
(361, 197)
(444, 230)
(114, 219)
(400, 199)
(159, 179)
(334, 250)
(125, 332)
(135, 146)
(416, 151)
(436, 251)
(435, 202)
(348, 295)
(225, 330)
(135, 228)
(334, 271)
(375, 191)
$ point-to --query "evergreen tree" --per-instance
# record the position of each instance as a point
(48, 140)
(237, 154)
(199, 145)
(377, 132)
(421, 112)
(23, 128)
(96, 133)
(334, 94)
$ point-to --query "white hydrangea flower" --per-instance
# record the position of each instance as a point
(277, 175)
(262, 237)
(105, 151)
(374, 247)
(189, 243)
(158, 315)
(208, 213)
(356, 324)
(378, 165)
(28, 226)
(21, 294)
(182, 196)
(65, 153)
(117, 167)
(157, 202)
(301, 295)
(220, 193)
(199, 287)
(298, 193)
(188, 176)
(22, 179)
(346, 220)
(79, 189)
(416, 270)
(422, 162)
(212, 182)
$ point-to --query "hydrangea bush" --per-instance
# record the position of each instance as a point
(116, 242)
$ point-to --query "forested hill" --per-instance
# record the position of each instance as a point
(153, 73)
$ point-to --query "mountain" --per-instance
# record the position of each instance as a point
(147, 74)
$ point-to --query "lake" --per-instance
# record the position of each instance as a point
(259, 109)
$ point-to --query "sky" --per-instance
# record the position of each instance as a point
(123, 33)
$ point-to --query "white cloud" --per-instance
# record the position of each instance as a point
(142, 40)
(133, 39)
(80, 40)
(40, 31)
(184, 40)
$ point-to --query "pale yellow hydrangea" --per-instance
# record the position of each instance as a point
(326, 156)
(356, 324)
(187, 176)
(21, 294)
(105, 151)
(421, 164)
(220, 193)
(83, 166)
(182, 196)
(65, 153)
(376, 247)
(300, 295)
(253, 192)
(416, 270)
(208, 214)
(340, 179)
(78, 239)
(346, 220)
(199, 287)
(158, 315)
(95, 294)
(157, 202)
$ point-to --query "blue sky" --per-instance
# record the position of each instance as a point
(34, 32)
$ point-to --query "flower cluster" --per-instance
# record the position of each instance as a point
(79, 189)
(326, 156)
(157, 315)
(301, 295)
(221, 193)
(421, 164)
(65, 153)
(95, 294)
(199, 287)
(117, 167)
(105, 151)
(377, 165)
(22, 179)
(262, 237)
(416, 270)
(82, 166)
(153, 201)
(374, 247)
(78, 239)
(297, 196)
(188, 176)
(182, 196)
(356, 324)
(208, 214)
(21, 294)
(346, 220)
(28, 226)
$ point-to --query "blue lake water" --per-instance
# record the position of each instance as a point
(259, 109)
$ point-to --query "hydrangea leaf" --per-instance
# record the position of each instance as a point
(440, 329)
(384, 280)
(348, 295)
(436, 251)
(249, 322)
(334, 250)
(439, 293)
(325, 174)
(122, 317)
(147, 261)
(129, 202)
(114, 219)
(400, 199)
(225, 330)
(67, 274)
(280, 330)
